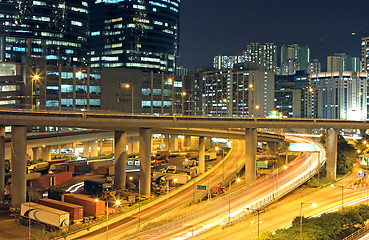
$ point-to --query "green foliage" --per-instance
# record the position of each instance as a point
(39, 235)
(329, 226)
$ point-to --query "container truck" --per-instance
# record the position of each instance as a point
(90, 206)
(53, 218)
(75, 211)
(210, 156)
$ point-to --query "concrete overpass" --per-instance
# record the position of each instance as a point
(146, 125)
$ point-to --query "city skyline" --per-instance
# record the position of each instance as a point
(205, 32)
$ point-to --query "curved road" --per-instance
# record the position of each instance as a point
(160, 211)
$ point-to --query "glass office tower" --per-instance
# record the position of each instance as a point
(135, 34)
(54, 30)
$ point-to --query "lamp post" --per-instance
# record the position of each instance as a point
(170, 80)
(341, 194)
(229, 199)
(184, 94)
(29, 217)
(174, 180)
(258, 212)
(117, 203)
(313, 205)
(127, 86)
(34, 78)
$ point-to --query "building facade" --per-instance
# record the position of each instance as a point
(343, 94)
(343, 62)
(247, 90)
(54, 30)
(135, 34)
(299, 54)
(142, 92)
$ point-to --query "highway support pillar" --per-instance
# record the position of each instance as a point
(272, 148)
(331, 154)
(46, 153)
(133, 146)
(166, 142)
(120, 155)
(145, 160)
(86, 149)
(174, 143)
(2, 163)
(187, 142)
(250, 154)
(201, 155)
(36, 153)
(18, 162)
(94, 149)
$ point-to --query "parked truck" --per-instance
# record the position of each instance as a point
(54, 219)
(210, 156)
(96, 188)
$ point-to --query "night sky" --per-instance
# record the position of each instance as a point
(209, 27)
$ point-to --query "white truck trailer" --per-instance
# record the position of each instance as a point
(51, 217)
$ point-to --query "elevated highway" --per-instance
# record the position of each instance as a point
(96, 120)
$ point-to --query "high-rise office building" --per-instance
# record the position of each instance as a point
(135, 34)
(343, 62)
(344, 94)
(300, 54)
(53, 30)
(314, 66)
(365, 54)
(246, 90)
(264, 54)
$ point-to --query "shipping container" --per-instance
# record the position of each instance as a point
(75, 211)
(103, 170)
(55, 194)
(46, 215)
(90, 206)
(60, 178)
(82, 169)
(41, 183)
(95, 164)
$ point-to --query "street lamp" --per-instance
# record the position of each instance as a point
(229, 199)
(127, 86)
(258, 212)
(34, 78)
(174, 180)
(341, 194)
(117, 203)
(313, 205)
(184, 94)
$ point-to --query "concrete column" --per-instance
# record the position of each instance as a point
(46, 153)
(36, 153)
(86, 149)
(2, 163)
(174, 143)
(250, 154)
(187, 142)
(272, 148)
(145, 160)
(331, 154)
(94, 149)
(59, 149)
(120, 154)
(133, 146)
(166, 142)
(201, 155)
(18, 162)
(101, 145)
(162, 142)
(73, 147)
